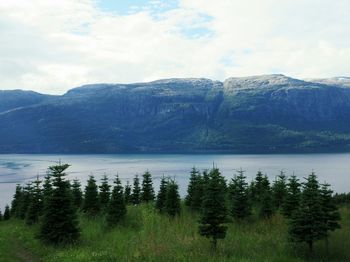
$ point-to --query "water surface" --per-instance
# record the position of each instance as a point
(333, 168)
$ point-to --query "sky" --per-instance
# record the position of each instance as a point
(53, 46)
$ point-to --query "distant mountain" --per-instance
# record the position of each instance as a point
(11, 99)
(258, 114)
(337, 81)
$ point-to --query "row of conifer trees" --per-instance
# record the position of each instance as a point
(54, 202)
(309, 207)
(342, 198)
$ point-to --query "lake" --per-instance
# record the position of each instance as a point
(333, 168)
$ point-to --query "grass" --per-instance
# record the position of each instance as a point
(147, 236)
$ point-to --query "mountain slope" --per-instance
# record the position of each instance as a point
(11, 99)
(342, 81)
(271, 113)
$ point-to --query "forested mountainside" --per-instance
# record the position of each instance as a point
(258, 114)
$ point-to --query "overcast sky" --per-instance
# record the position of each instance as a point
(52, 46)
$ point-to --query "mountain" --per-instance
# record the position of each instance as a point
(12, 99)
(337, 81)
(258, 114)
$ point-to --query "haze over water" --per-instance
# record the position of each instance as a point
(332, 168)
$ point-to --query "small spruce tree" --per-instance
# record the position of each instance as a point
(147, 193)
(173, 201)
(25, 200)
(239, 196)
(7, 214)
(191, 186)
(292, 199)
(205, 182)
(214, 212)
(16, 202)
(259, 184)
(59, 224)
(266, 205)
(162, 194)
(116, 209)
(252, 192)
(331, 215)
(206, 176)
(77, 194)
(279, 191)
(194, 191)
(47, 187)
(265, 199)
(136, 191)
(105, 193)
(91, 204)
(35, 208)
(127, 193)
(197, 198)
(307, 224)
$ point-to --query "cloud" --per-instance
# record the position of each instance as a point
(53, 46)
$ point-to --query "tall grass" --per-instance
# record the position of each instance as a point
(145, 235)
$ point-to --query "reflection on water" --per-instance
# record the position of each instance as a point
(333, 168)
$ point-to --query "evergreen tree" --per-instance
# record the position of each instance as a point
(7, 214)
(265, 185)
(252, 192)
(91, 204)
(239, 196)
(266, 205)
(77, 194)
(206, 177)
(214, 210)
(147, 193)
(194, 191)
(279, 191)
(60, 224)
(173, 201)
(127, 193)
(47, 187)
(36, 204)
(307, 224)
(265, 199)
(205, 182)
(136, 192)
(16, 202)
(0, 216)
(116, 209)
(191, 186)
(257, 189)
(259, 185)
(162, 194)
(105, 193)
(292, 199)
(25, 200)
(330, 211)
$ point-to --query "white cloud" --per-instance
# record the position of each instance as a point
(52, 46)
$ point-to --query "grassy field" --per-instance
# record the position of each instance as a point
(147, 236)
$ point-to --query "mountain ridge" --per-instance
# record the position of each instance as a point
(340, 81)
(257, 114)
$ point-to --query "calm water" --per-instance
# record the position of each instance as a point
(333, 168)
